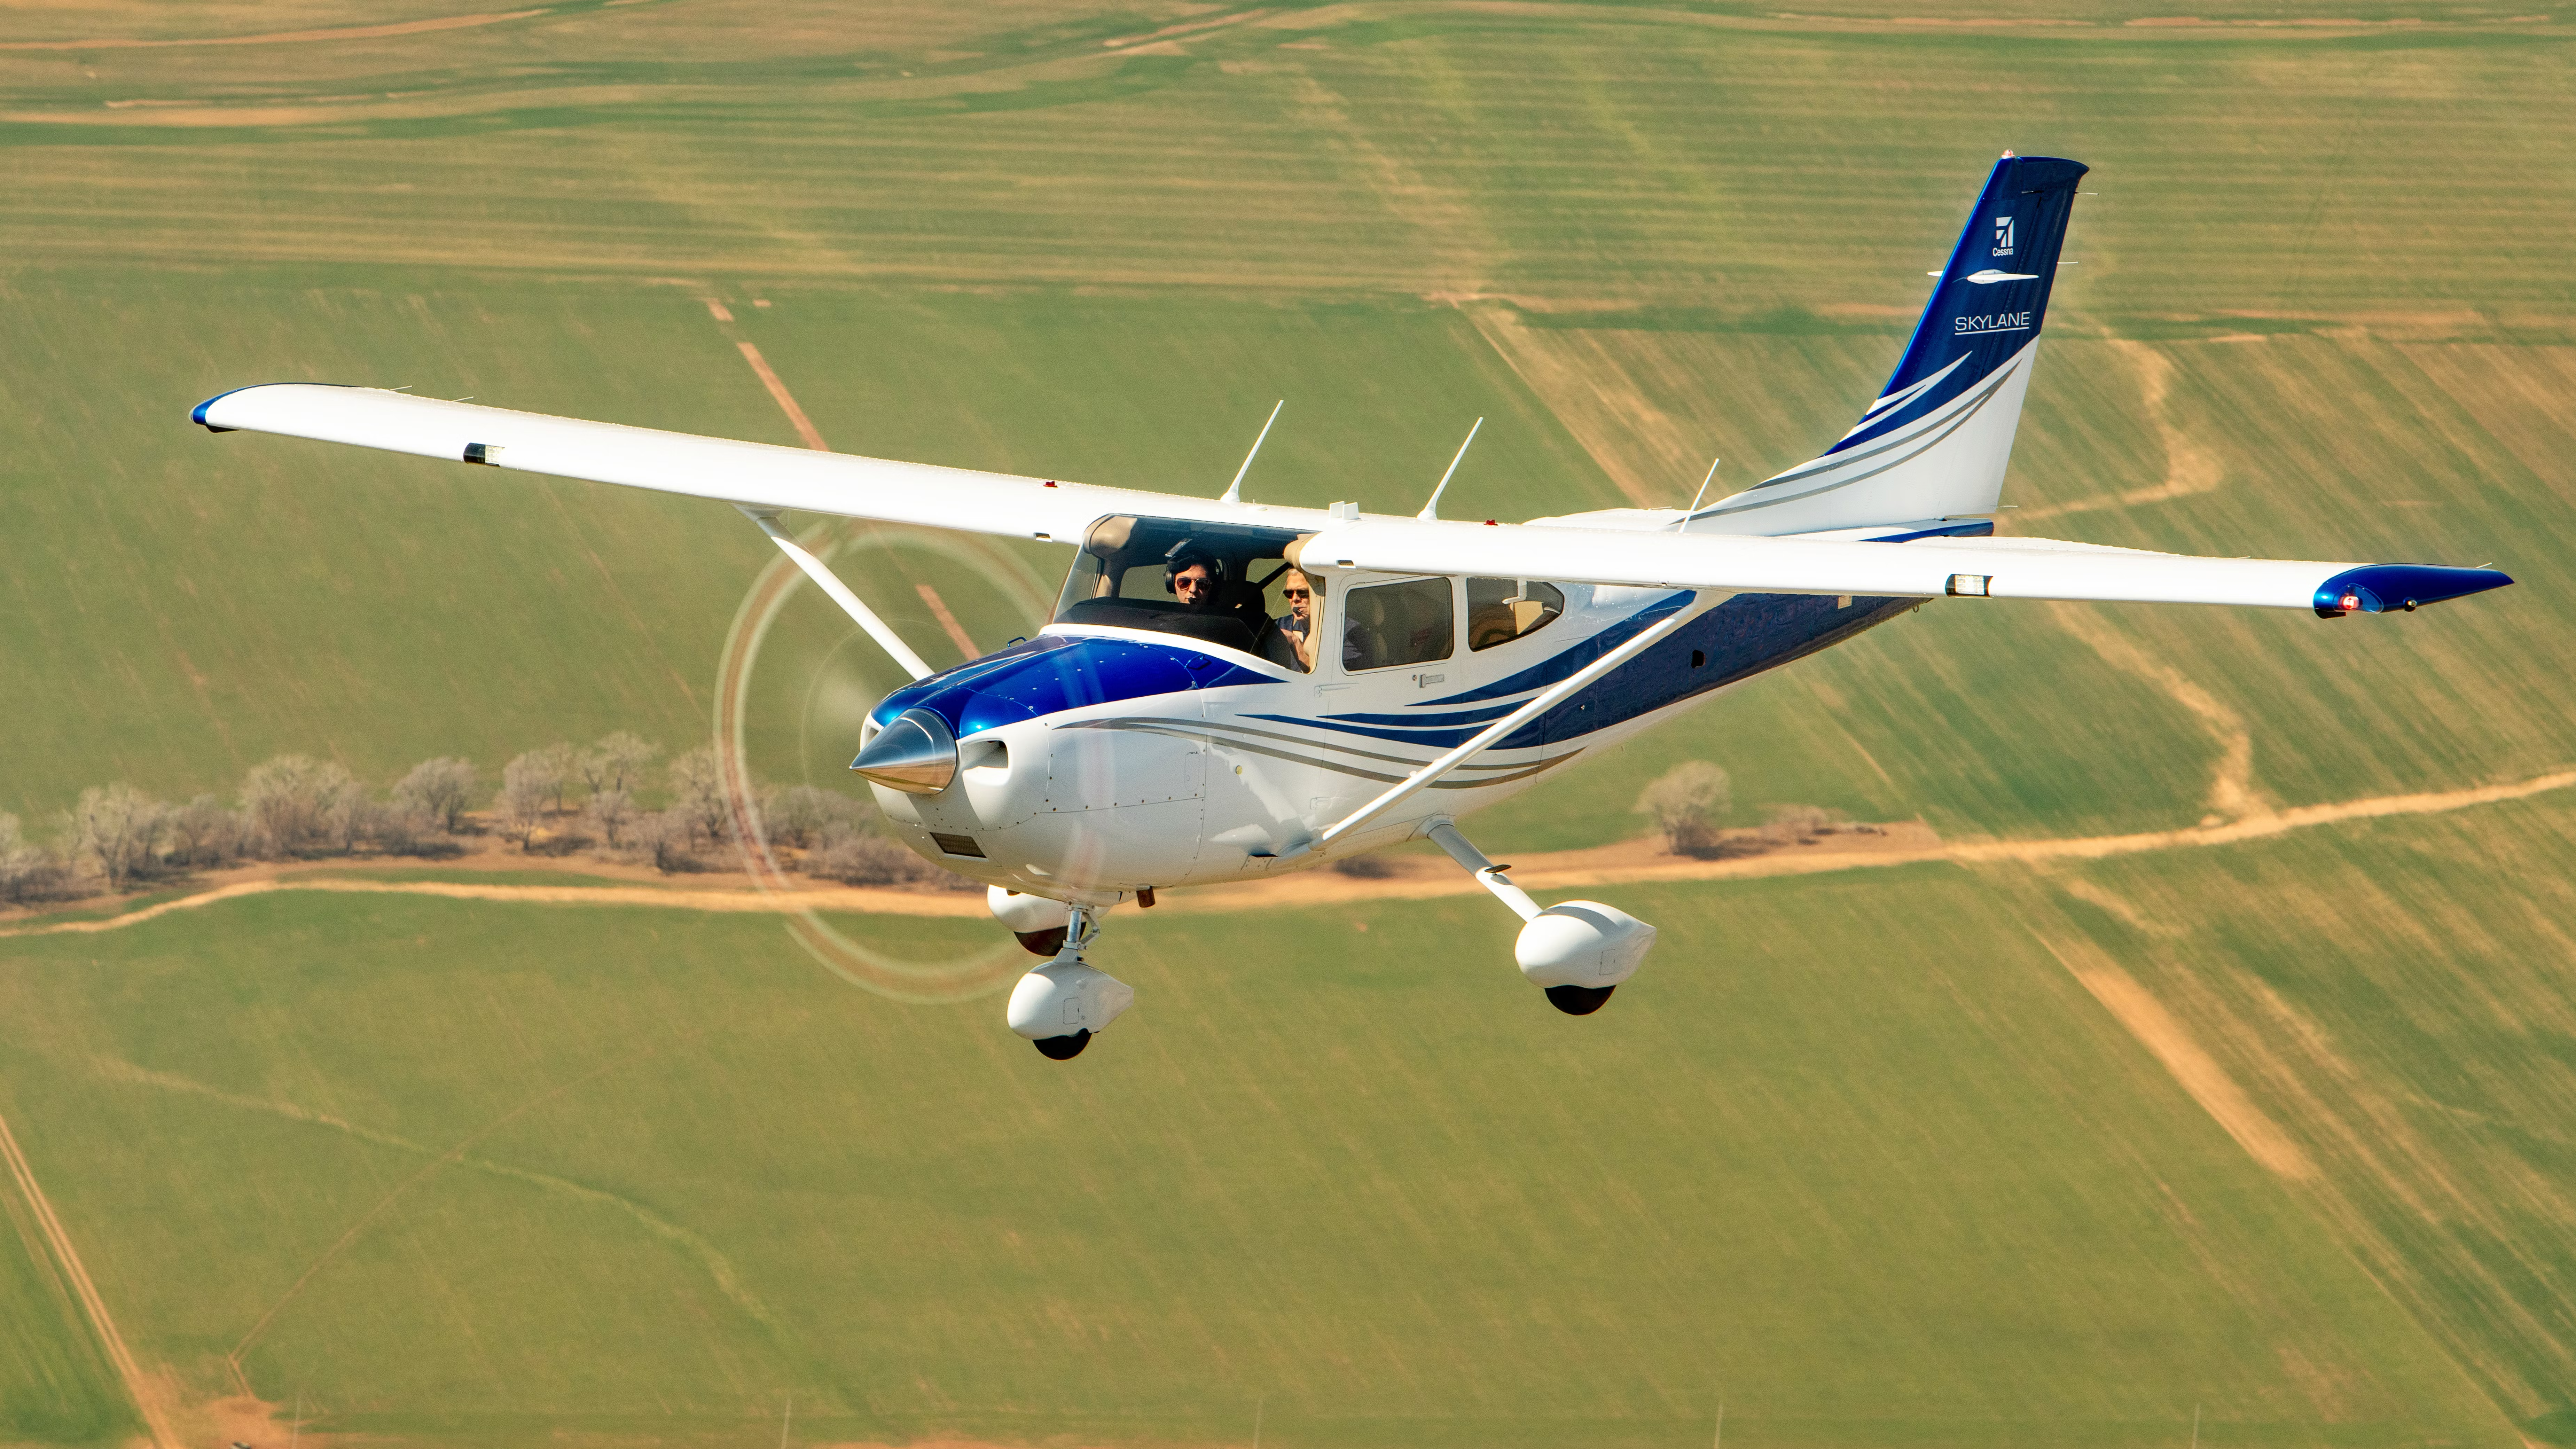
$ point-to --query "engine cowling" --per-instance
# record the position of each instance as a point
(1579, 951)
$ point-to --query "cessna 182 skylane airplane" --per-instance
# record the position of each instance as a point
(1147, 739)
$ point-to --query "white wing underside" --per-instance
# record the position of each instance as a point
(766, 476)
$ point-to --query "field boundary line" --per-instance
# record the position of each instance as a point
(1312, 888)
(102, 1323)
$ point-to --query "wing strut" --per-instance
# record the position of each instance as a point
(887, 639)
(1421, 779)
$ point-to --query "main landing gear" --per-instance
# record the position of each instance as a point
(1577, 952)
(1061, 1005)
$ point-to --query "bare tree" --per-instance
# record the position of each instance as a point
(1684, 803)
(610, 811)
(672, 838)
(437, 790)
(526, 782)
(206, 834)
(562, 764)
(698, 794)
(116, 828)
(290, 799)
(616, 762)
(27, 871)
(801, 815)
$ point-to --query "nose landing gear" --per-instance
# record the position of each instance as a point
(1061, 1005)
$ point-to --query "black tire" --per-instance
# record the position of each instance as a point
(1063, 1048)
(1579, 1000)
(1042, 943)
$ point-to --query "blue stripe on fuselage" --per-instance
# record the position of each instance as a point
(1738, 639)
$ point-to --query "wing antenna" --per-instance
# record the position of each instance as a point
(1431, 510)
(824, 579)
(1684, 524)
(1234, 490)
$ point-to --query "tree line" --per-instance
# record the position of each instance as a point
(561, 799)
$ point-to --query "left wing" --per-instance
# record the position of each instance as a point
(760, 475)
(765, 476)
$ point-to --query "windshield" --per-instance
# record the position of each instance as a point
(1218, 583)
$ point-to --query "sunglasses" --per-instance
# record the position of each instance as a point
(1293, 594)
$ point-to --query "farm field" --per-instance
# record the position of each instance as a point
(1954, 1197)
(2272, 1132)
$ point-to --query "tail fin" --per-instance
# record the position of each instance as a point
(1935, 442)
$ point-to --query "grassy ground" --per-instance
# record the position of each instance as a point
(1893, 1160)
(400, 1154)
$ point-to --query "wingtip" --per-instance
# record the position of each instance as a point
(2387, 588)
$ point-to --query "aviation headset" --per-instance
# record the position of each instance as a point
(1186, 553)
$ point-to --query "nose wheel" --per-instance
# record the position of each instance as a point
(1572, 1000)
(1063, 1048)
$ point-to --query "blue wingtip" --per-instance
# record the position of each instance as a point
(2380, 588)
(197, 414)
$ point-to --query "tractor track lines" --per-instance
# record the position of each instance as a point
(146, 1395)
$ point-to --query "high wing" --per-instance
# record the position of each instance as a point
(765, 476)
(757, 475)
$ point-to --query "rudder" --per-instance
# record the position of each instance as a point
(1936, 440)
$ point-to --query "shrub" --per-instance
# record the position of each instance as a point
(28, 872)
(1794, 824)
(1684, 802)
(855, 858)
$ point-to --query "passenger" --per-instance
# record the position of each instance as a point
(1299, 622)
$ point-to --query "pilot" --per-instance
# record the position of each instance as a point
(1196, 579)
(1298, 624)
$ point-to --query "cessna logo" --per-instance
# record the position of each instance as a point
(2003, 236)
(1991, 322)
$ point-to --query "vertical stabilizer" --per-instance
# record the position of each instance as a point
(1936, 440)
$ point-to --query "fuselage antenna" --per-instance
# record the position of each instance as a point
(1702, 493)
(1234, 490)
(1431, 510)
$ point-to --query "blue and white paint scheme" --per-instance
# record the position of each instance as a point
(1137, 744)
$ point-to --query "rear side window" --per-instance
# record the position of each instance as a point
(1502, 610)
(1385, 625)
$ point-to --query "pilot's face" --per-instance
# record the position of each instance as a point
(1194, 586)
(1299, 594)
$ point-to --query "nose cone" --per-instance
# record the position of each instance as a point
(916, 754)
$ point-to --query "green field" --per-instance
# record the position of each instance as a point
(1884, 1158)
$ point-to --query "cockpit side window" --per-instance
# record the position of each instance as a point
(1502, 610)
(1385, 625)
